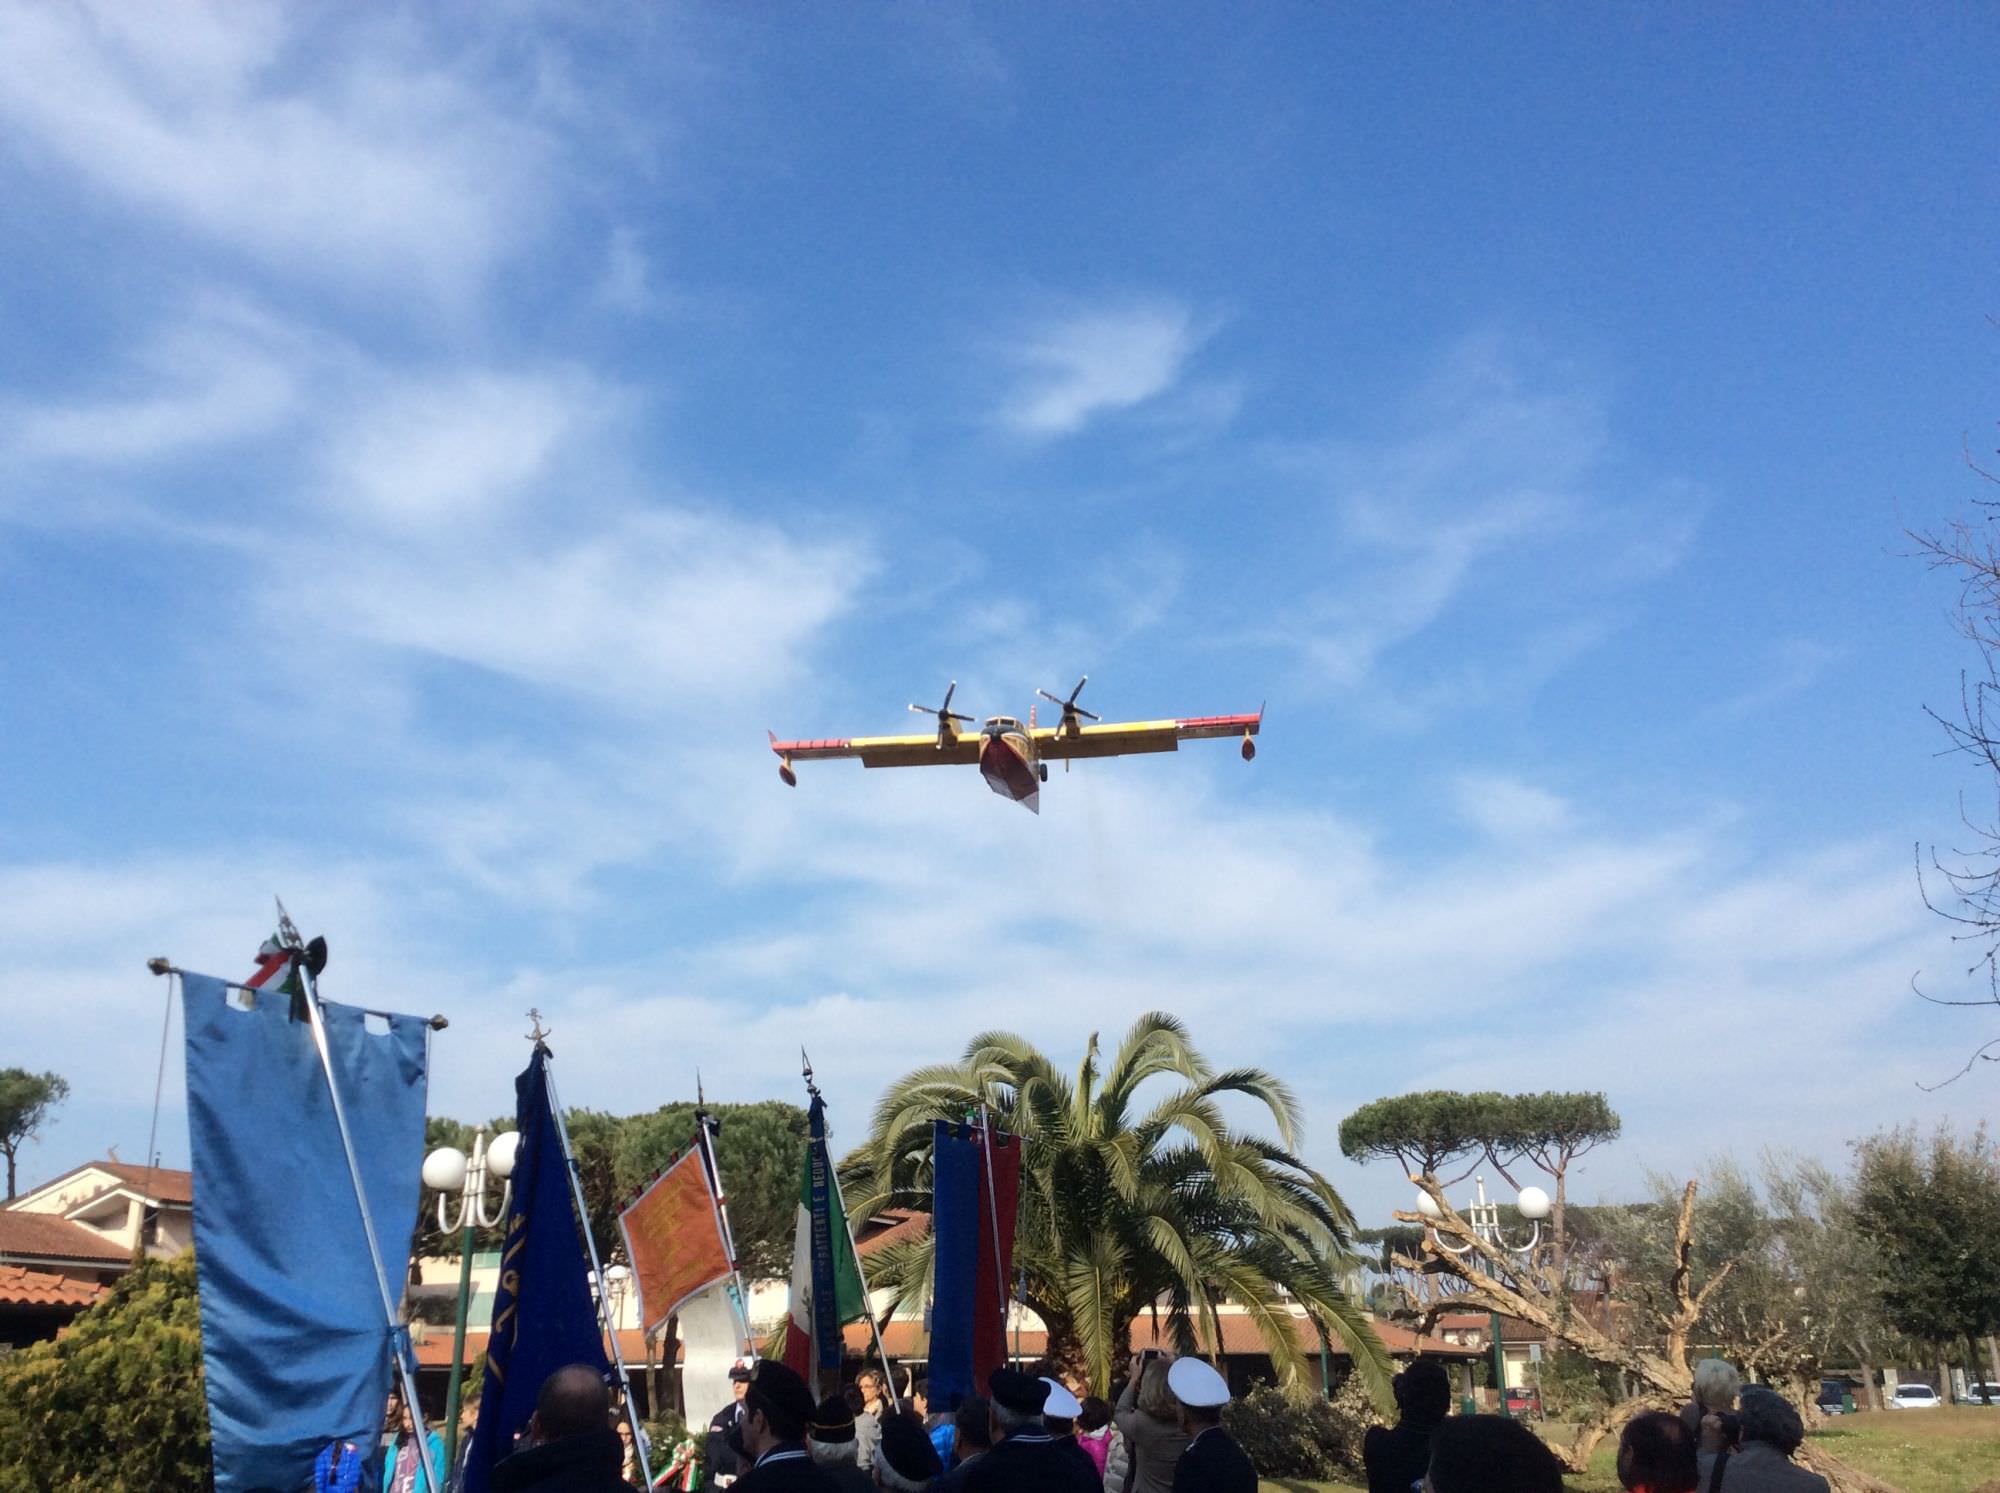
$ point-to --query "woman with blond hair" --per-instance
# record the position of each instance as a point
(1149, 1418)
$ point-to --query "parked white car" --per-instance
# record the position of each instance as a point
(1914, 1397)
(1973, 1395)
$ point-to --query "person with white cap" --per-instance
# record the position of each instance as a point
(1059, 1413)
(1213, 1462)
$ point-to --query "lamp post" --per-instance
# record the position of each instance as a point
(1484, 1215)
(448, 1170)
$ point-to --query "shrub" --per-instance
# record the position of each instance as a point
(1309, 1438)
(116, 1403)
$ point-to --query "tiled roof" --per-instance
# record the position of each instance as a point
(166, 1184)
(20, 1286)
(903, 1223)
(45, 1236)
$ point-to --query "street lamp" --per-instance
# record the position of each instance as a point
(617, 1286)
(448, 1170)
(1532, 1203)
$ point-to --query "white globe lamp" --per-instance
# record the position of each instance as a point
(444, 1169)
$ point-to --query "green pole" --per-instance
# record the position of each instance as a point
(458, 1345)
(1499, 1362)
(1325, 1374)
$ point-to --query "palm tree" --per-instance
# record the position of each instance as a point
(1124, 1209)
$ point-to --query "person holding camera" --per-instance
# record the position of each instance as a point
(1149, 1417)
(1751, 1451)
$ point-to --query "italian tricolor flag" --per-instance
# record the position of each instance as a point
(827, 1291)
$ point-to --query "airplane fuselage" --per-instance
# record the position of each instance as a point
(1007, 761)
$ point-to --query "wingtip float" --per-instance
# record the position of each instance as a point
(1014, 758)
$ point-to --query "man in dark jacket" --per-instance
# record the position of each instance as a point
(1213, 1462)
(777, 1408)
(1397, 1456)
(719, 1459)
(1025, 1457)
(571, 1446)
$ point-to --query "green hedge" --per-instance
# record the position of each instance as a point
(1308, 1438)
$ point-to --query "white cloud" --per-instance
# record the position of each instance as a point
(1500, 493)
(369, 165)
(458, 447)
(1719, 1009)
(220, 372)
(640, 610)
(1508, 809)
(1095, 362)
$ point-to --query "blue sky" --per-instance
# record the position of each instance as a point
(435, 446)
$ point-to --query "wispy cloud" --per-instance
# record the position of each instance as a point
(1077, 367)
(1501, 491)
(322, 159)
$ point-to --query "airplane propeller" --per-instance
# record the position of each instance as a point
(1070, 709)
(945, 716)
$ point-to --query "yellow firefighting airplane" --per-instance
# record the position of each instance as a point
(1013, 758)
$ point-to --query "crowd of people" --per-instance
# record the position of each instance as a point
(1730, 1438)
(1031, 1433)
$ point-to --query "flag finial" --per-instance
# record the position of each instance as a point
(538, 1033)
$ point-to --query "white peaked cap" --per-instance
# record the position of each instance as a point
(1061, 1403)
(1196, 1384)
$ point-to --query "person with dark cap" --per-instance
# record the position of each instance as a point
(1491, 1454)
(905, 1459)
(830, 1440)
(571, 1446)
(777, 1408)
(1025, 1457)
(721, 1465)
(1769, 1431)
(1213, 1462)
(1396, 1456)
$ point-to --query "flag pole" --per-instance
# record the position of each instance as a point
(604, 1316)
(398, 1333)
(993, 1218)
(703, 1138)
(833, 1177)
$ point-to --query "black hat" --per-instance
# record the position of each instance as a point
(784, 1391)
(906, 1447)
(833, 1421)
(738, 1373)
(1020, 1392)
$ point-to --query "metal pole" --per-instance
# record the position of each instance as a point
(597, 1269)
(739, 1296)
(396, 1328)
(470, 1212)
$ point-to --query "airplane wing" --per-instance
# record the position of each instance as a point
(1124, 738)
(883, 751)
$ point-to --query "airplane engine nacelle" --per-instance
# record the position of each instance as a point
(785, 771)
(1249, 747)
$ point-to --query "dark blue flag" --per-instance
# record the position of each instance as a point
(544, 1317)
(296, 1348)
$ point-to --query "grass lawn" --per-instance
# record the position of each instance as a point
(1952, 1450)
(1948, 1450)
